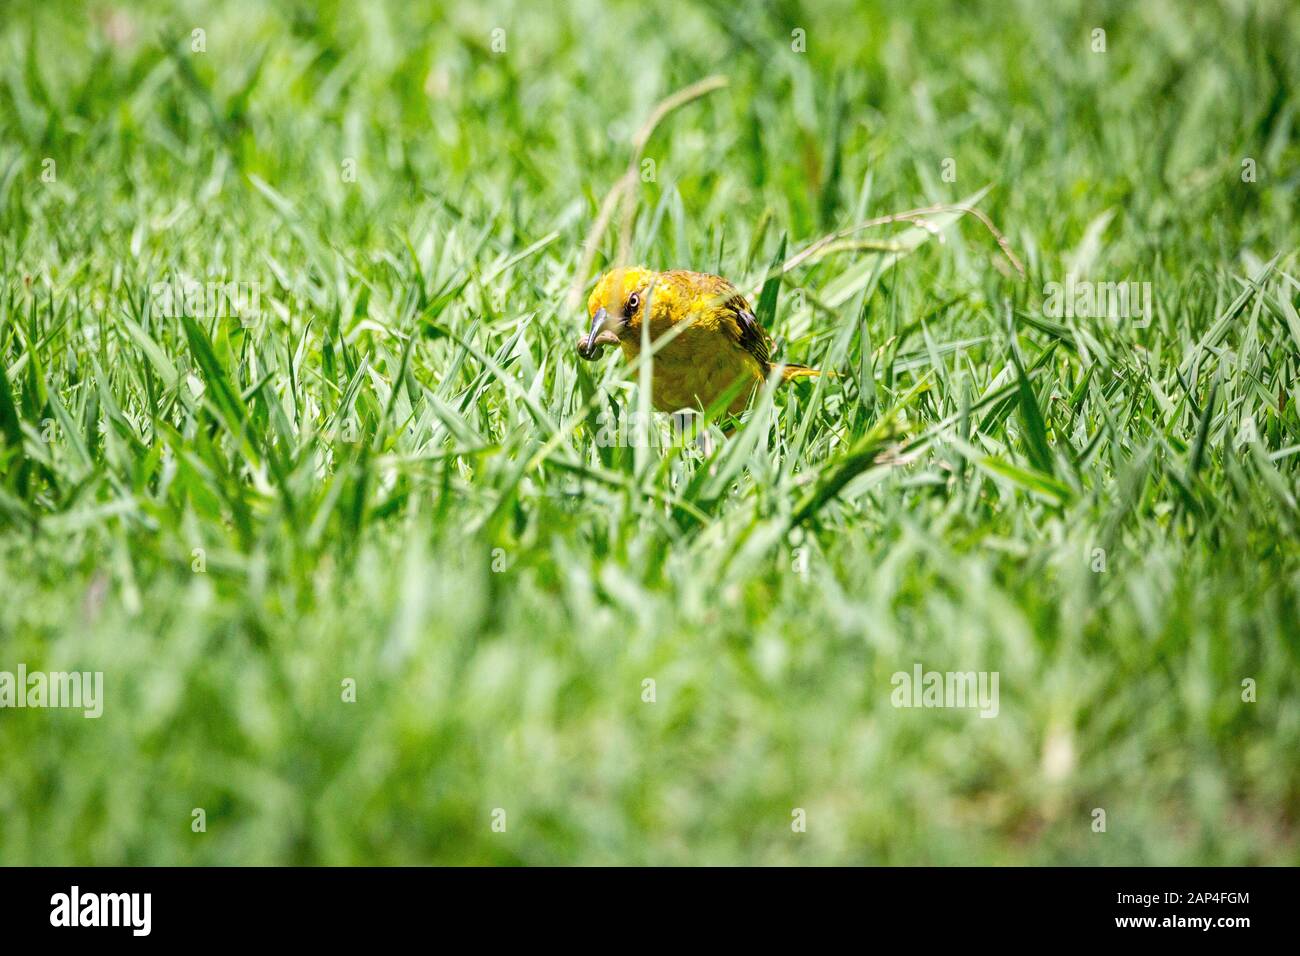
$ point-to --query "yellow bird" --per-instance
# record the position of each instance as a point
(720, 342)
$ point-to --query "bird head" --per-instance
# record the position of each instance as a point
(615, 309)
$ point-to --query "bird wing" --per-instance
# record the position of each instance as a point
(741, 326)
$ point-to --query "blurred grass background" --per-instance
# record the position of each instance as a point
(393, 476)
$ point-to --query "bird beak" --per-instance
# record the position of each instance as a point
(589, 345)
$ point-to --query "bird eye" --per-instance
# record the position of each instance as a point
(633, 303)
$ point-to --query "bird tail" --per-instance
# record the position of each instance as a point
(792, 372)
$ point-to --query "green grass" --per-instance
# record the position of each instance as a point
(393, 474)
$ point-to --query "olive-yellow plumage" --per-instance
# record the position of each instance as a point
(719, 345)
